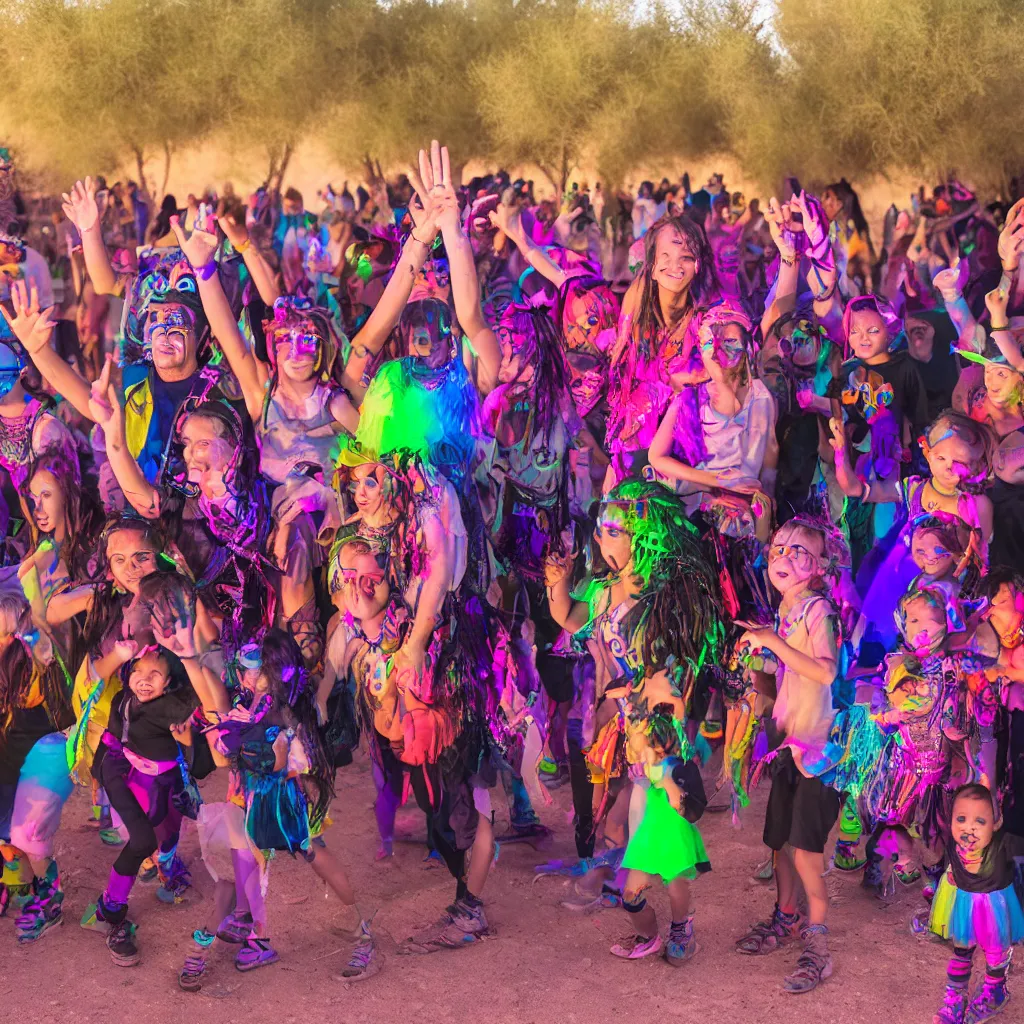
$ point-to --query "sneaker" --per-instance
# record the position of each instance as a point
(989, 1002)
(148, 872)
(255, 953)
(43, 911)
(432, 859)
(111, 837)
(953, 1006)
(235, 928)
(681, 945)
(767, 936)
(365, 960)
(175, 881)
(587, 904)
(846, 857)
(190, 977)
(121, 943)
(637, 946)
(460, 925)
(815, 963)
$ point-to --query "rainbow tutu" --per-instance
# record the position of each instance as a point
(989, 919)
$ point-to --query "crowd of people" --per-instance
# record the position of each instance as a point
(516, 494)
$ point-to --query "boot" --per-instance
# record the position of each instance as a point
(989, 1002)
(43, 911)
(815, 963)
(953, 1006)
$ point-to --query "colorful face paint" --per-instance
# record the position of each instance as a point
(725, 346)
(795, 557)
(169, 334)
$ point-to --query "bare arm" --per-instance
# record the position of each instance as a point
(107, 412)
(569, 614)
(62, 607)
(660, 457)
(880, 492)
(506, 219)
(81, 208)
(435, 180)
(200, 247)
(34, 329)
(262, 276)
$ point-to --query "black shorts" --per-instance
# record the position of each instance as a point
(801, 811)
(557, 676)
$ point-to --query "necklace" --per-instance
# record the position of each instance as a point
(933, 503)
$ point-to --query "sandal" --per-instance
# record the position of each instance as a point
(814, 965)
(770, 935)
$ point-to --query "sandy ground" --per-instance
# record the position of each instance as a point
(545, 965)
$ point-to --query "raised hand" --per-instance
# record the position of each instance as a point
(948, 281)
(838, 438)
(505, 219)
(174, 626)
(436, 178)
(198, 247)
(776, 224)
(80, 206)
(557, 568)
(996, 301)
(1012, 236)
(817, 233)
(237, 234)
(104, 405)
(32, 326)
(125, 650)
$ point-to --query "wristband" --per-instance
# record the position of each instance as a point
(427, 245)
(207, 270)
(243, 246)
(992, 328)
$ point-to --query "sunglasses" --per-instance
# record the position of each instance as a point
(796, 553)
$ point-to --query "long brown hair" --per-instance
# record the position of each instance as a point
(702, 290)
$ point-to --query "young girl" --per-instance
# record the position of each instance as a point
(656, 352)
(977, 905)
(719, 436)
(138, 765)
(883, 406)
(958, 453)
(906, 793)
(287, 779)
(64, 522)
(34, 783)
(648, 548)
(666, 844)
(804, 555)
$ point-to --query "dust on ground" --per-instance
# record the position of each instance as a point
(545, 965)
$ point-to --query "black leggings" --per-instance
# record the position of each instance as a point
(433, 800)
(582, 792)
(155, 826)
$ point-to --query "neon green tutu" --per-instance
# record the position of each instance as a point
(665, 843)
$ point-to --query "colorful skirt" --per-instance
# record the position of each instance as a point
(665, 843)
(992, 920)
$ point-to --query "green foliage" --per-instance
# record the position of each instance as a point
(820, 89)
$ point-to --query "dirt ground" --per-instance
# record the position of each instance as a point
(546, 965)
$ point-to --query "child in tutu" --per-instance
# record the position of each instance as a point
(977, 905)
(666, 844)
